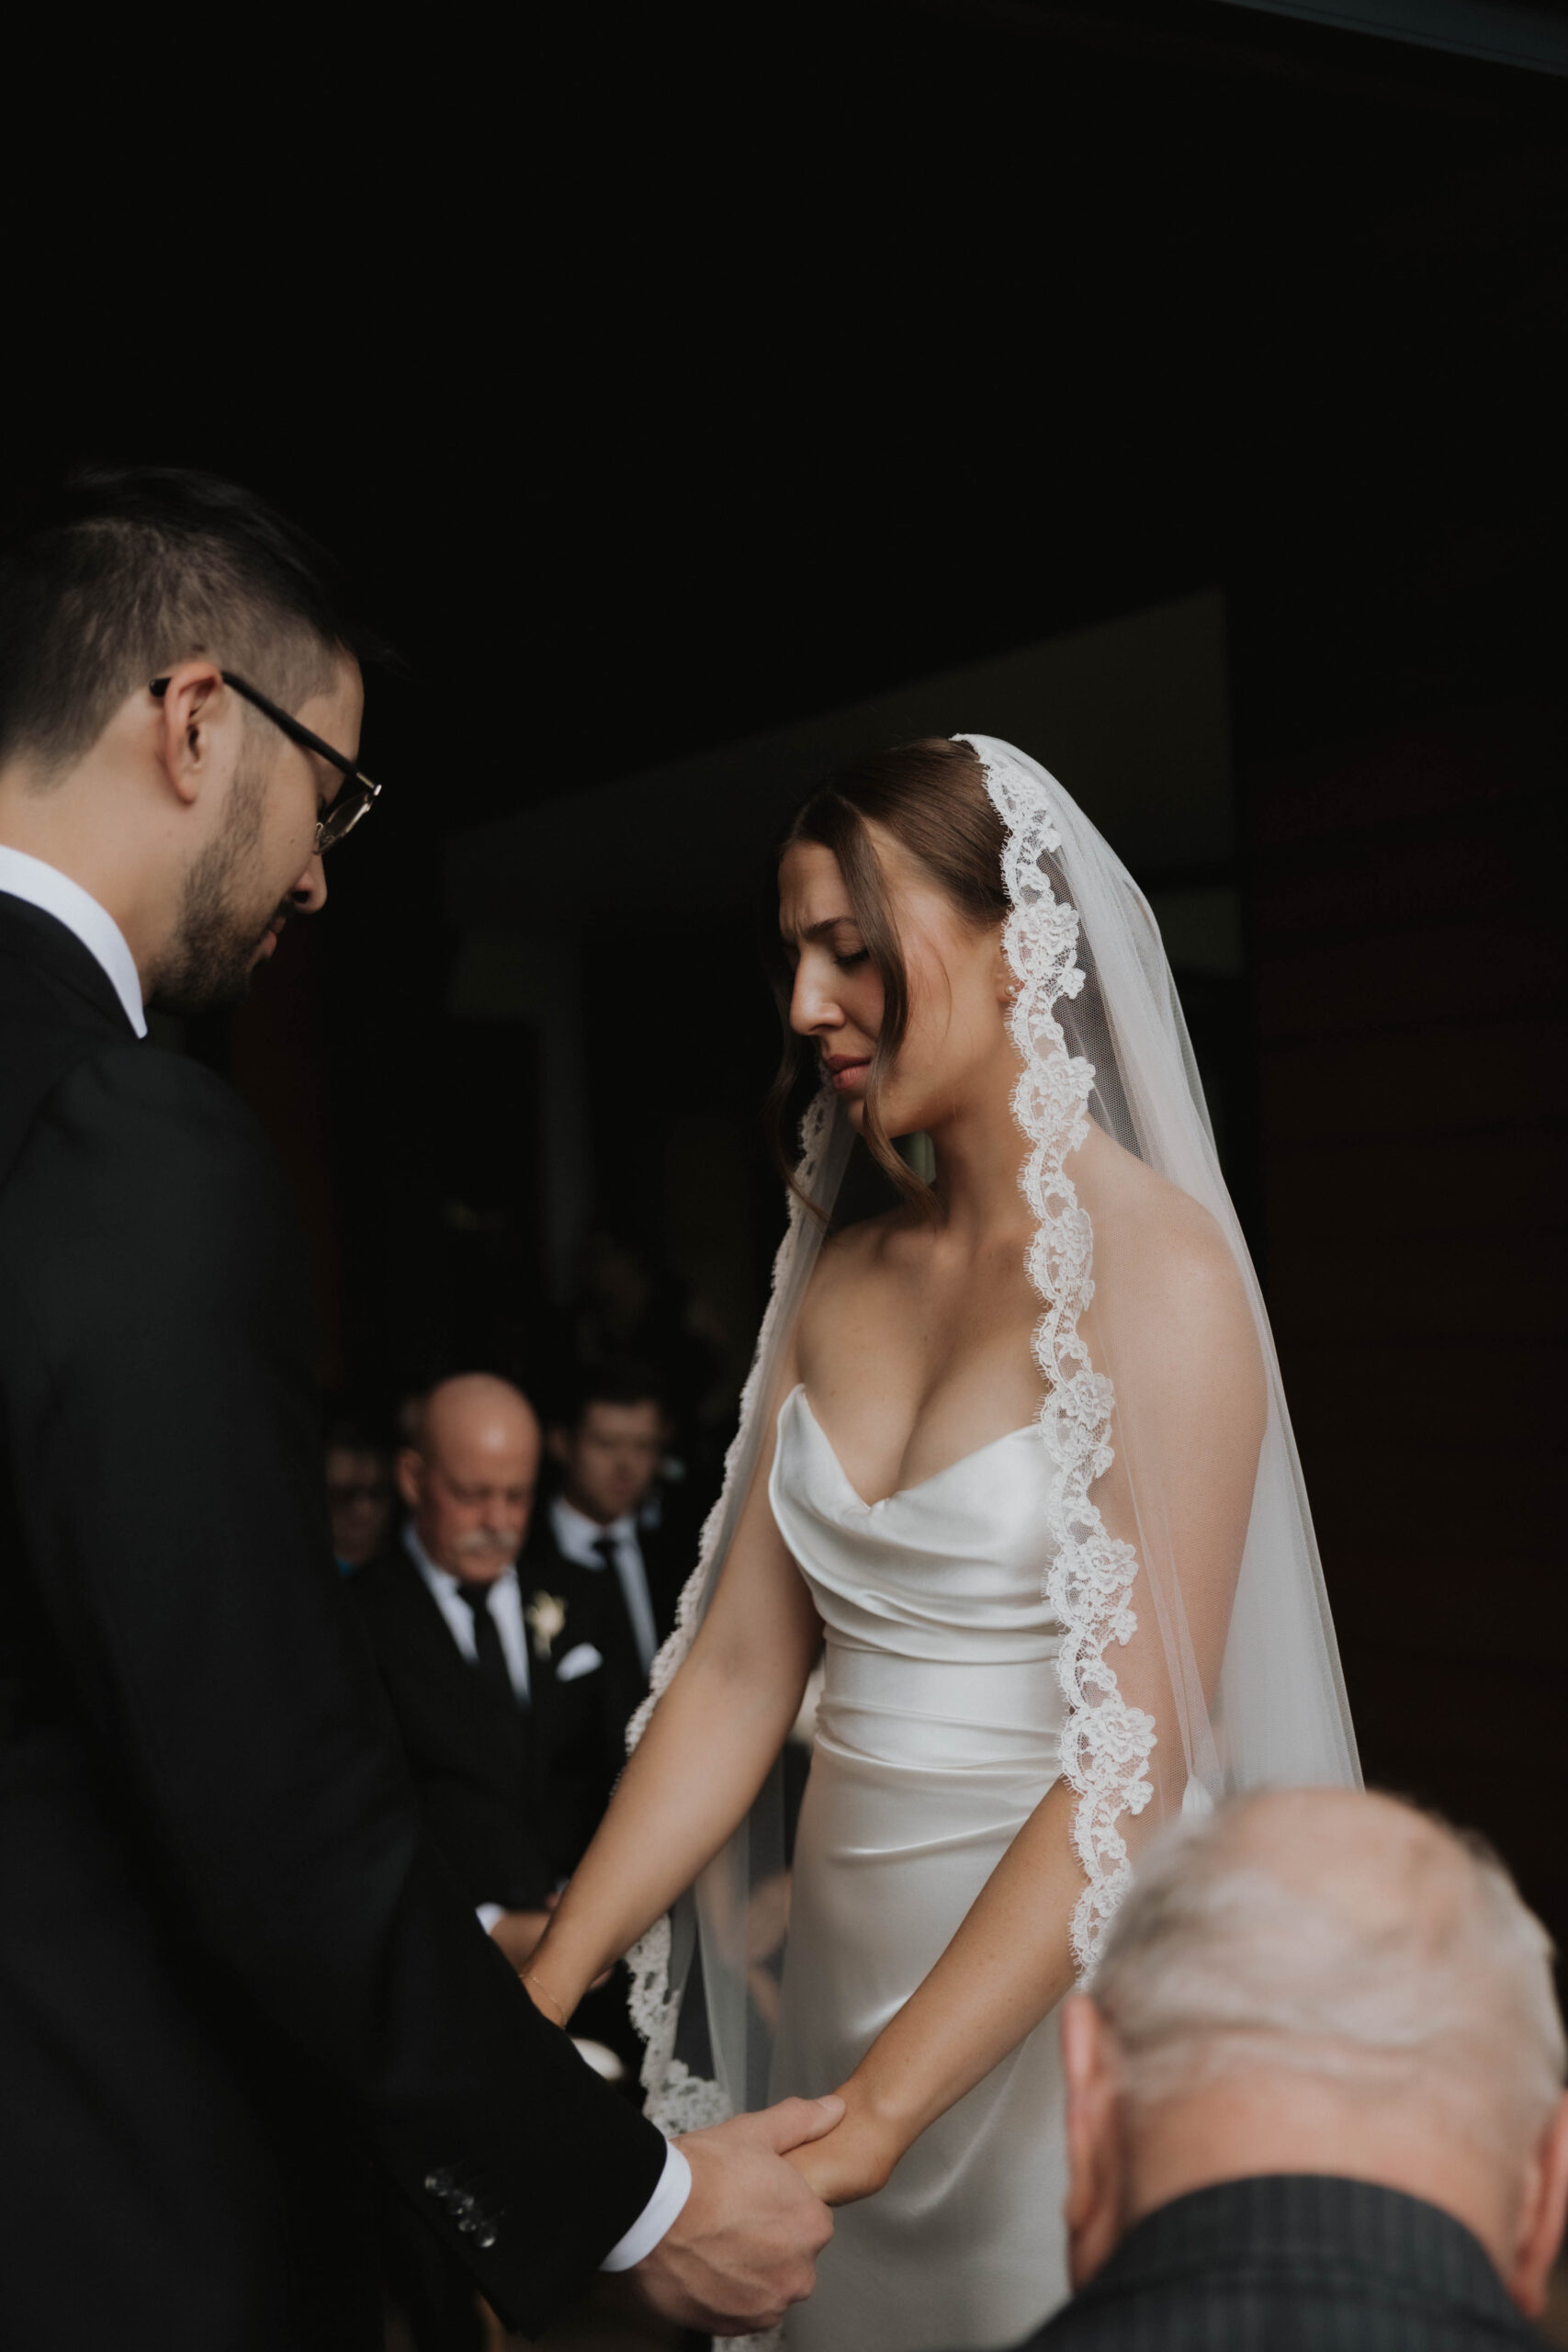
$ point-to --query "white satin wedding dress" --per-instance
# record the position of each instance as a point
(938, 1734)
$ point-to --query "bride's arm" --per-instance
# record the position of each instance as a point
(1202, 1405)
(699, 1764)
(1007, 1967)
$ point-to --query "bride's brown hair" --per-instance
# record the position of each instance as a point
(931, 797)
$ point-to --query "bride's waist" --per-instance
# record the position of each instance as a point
(885, 1703)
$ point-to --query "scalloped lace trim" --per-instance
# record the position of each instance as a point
(676, 2100)
(1105, 1743)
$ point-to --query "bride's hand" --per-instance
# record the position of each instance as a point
(852, 2160)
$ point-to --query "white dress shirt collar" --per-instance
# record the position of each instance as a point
(579, 1536)
(577, 1533)
(505, 1609)
(55, 894)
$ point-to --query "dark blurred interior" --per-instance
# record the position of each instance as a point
(1176, 388)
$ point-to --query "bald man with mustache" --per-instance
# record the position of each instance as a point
(506, 1757)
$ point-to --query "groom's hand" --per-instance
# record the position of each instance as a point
(745, 2246)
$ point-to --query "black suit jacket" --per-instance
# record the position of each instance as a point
(1297, 2261)
(669, 1555)
(512, 1794)
(231, 1964)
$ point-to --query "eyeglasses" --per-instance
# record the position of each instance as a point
(358, 792)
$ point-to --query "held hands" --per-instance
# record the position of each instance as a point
(852, 2160)
(745, 2246)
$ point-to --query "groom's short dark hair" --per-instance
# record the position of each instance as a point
(135, 569)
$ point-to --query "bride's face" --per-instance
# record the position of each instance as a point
(955, 1035)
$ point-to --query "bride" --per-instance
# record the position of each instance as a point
(1043, 1523)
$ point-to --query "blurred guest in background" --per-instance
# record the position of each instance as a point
(492, 1679)
(612, 1523)
(359, 1490)
(1316, 2094)
(493, 1686)
(632, 1307)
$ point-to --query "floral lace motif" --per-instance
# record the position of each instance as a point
(678, 2100)
(1105, 1743)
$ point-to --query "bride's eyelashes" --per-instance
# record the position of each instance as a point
(851, 962)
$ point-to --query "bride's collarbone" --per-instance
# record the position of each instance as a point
(897, 1279)
(916, 1344)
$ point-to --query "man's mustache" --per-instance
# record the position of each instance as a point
(481, 1541)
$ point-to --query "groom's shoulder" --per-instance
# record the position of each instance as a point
(154, 1112)
(148, 1158)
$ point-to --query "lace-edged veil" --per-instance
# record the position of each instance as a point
(1185, 1677)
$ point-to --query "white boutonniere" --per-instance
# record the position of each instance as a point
(545, 1616)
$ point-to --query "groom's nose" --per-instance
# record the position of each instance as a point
(309, 894)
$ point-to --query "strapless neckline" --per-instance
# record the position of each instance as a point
(903, 1494)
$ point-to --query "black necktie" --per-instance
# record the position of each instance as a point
(489, 1655)
(605, 1547)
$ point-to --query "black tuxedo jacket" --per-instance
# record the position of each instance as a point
(669, 1555)
(232, 1965)
(1316, 2264)
(511, 1795)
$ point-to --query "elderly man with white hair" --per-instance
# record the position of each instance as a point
(1315, 2093)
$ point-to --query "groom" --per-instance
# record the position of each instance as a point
(233, 1974)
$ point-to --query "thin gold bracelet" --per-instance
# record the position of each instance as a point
(553, 2007)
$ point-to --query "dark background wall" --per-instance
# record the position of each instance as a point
(1410, 972)
(691, 373)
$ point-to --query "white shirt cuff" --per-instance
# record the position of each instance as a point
(657, 2217)
(489, 1913)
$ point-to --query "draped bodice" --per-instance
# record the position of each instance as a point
(933, 1601)
(952, 1569)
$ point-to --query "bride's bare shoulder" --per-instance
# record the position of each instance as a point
(1184, 1272)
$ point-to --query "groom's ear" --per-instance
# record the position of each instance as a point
(1093, 2210)
(190, 710)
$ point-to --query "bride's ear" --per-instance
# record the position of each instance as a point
(1093, 2210)
(1004, 978)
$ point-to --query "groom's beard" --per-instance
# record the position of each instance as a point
(209, 960)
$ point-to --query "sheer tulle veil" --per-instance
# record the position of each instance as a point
(1181, 1683)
